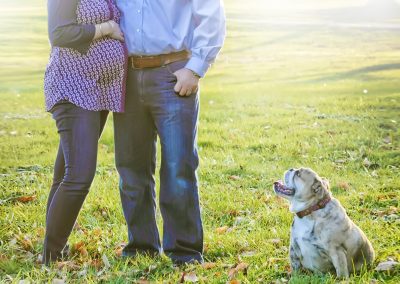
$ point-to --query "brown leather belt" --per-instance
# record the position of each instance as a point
(154, 61)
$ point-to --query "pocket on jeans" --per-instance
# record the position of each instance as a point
(175, 66)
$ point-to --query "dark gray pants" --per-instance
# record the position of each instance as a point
(74, 170)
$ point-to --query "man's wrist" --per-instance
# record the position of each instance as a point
(195, 74)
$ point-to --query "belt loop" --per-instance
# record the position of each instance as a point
(132, 64)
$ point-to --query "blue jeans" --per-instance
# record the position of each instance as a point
(152, 108)
(74, 170)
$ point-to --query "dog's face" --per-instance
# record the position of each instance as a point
(301, 186)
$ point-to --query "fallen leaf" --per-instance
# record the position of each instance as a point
(387, 265)
(40, 232)
(97, 232)
(233, 177)
(239, 220)
(387, 140)
(275, 241)
(119, 248)
(69, 265)
(374, 174)
(118, 252)
(222, 230)
(25, 242)
(248, 253)
(241, 267)
(209, 265)
(96, 263)
(234, 281)
(26, 199)
(343, 185)
(367, 163)
(39, 259)
(234, 213)
(191, 277)
(58, 281)
(232, 273)
(81, 249)
(83, 272)
(106, 262)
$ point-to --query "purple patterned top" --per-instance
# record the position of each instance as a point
(95, 79)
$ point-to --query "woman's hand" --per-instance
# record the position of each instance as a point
(115, 32)
(111, 29)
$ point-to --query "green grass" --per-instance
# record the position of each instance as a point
(281, 95)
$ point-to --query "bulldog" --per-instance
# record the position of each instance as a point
(323, 238)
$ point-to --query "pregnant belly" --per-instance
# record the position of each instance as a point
(107, 56)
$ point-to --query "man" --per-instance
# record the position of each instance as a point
(171, 45)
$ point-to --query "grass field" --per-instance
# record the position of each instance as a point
(291, 88)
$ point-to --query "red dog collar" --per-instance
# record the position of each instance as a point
(320, 204)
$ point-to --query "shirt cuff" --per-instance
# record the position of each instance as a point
(197, 65)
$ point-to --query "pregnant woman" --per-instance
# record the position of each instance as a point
(85, 78)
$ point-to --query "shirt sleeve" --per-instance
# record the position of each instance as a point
(208, 35)
(64, 31)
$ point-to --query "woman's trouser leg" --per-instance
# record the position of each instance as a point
(79, 131)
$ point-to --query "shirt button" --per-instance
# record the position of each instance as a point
(138, 30)
(138, 11)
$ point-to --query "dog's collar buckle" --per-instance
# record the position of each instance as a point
(320, 204)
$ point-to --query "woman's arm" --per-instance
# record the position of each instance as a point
(64, 31)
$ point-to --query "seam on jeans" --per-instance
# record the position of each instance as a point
(152, 152)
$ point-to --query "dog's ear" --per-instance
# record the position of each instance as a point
(325, 183)
(320, 184)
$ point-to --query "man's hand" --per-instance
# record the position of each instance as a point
(187, 83)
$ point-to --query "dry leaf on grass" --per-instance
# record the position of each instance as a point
(26, 199)
(58, 281)
(106, 262)
(275, 241)
(96, 263)
(389, 265)
(234, 281)
(189, 277)
(248, 253)
(222, 230)
(233, 213)
(387, 140)
(25, 242)
(81, 249)
(241, 267)
(209, 265)
(119, 248)
(234, 177)
(68, 265)
(343, 185)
